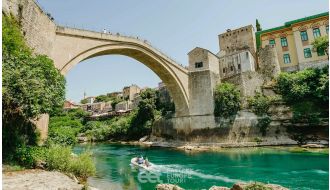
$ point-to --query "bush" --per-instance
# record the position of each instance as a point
(306, 112)
(263, 124)
(60, 158)
(309, 84)
(83, 165)
(226, 99)
(257, 186)
(259, 104)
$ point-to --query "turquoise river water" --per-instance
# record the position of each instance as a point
(196, 171)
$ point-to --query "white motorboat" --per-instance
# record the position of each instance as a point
(143, 165)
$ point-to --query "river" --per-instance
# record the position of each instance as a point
(292, 169)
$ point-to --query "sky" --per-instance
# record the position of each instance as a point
(173, 26)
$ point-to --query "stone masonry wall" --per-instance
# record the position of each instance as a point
(269, 66)
(38, 29)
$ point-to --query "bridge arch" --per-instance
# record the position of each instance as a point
(69, 50)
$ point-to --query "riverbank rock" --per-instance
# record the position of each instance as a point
(168, 187)
(219, 188)
(313, 146)
(143, 139)
(241, 186)
(38, 180)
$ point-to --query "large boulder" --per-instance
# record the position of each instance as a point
(168, 187)
(242, 186)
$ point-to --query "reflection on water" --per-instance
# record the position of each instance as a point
(303, 170)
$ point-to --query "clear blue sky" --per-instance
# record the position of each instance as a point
(173, 26)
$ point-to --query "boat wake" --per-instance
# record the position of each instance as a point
(178, 170)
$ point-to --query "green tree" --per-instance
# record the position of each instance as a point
(102, 98)
(258, 25)
(31, 86)
(83, 101)
(226, 99)
(321, 44)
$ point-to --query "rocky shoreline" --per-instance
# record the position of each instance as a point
(200, 147)
(236, 186)
(37, 179)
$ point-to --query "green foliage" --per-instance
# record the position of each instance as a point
(227, 100)
(84, 101)
(28, 156)
(302, 85)
(57, 158)
(257, 140)
(321, 44)
(258, 25)
(306, 112)
(64, 128)
(263, 124)
(259, 104)
(115, 101)
(257, 186)
(307, 92)
(83, 165)
(17, 131)
(31, 83)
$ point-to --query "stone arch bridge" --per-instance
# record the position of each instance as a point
(192, 91)
(71, 46)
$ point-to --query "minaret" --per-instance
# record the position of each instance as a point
(84, 95)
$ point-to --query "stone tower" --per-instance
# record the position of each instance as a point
(269, 65)
(203, 77)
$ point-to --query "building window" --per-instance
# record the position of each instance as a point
(198, 64)
(327, 29)
(224, 70)
(231, 68)
(307, 53)
(316, 32)
(286, 58)
(284, 42)
(239, 66)
(247, 55)
(271, 42)
(320, 52)
(303, 35)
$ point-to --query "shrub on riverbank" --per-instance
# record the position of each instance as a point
(58, 158)
(226, 100)
(259, 104)
(307, 92)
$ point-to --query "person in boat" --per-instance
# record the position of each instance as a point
(146, 162)
(140, 160)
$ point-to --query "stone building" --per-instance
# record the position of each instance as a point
(203, 77)
(238, 39)
(69, 105)
(98, 107)
(123, 106)
(237, 51)
(293, 42)
(90, 99)
(235, 63)
(130, 91)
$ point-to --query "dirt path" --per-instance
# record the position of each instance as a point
(38, 180)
